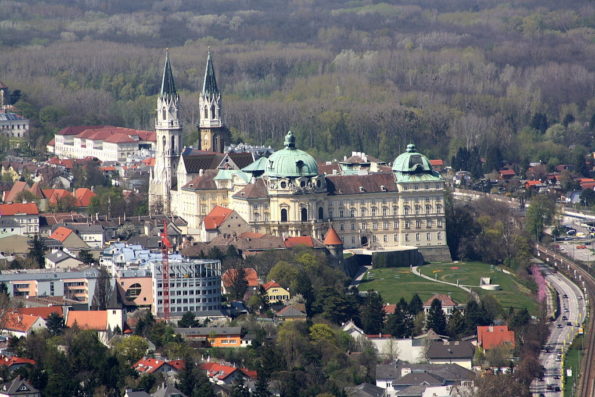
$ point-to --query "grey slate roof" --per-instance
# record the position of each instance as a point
(358, 184)
(387, 371)
(412, 391)
(12, 388)
(167, 391)
(364, 390)
(168, 87)
(450, 350)
(254, 190)
(58, 256)
(209, 85)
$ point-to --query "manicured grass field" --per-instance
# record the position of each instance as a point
(394, 283)
(513, 292)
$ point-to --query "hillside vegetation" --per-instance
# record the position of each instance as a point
(515, 80)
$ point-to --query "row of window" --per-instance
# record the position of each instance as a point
(419, 224)
(14, 126)
(190, 300)
(187, 283)
(184, 309)
(192, 292)
(407, 237)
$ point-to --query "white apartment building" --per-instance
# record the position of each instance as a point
(13, 125)
(107, 143)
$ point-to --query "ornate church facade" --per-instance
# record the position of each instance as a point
(285, 194)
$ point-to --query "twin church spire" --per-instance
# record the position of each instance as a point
(213, 136)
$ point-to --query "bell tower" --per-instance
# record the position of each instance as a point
(212, 133)
(169, 143)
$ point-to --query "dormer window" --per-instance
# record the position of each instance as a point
(361, 189)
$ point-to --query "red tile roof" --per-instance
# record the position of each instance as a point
(17, 209)
(446, 300)
(491, 336)
(332, 238)
(15, 321)
(437, 163)
(533, 183)
(150, 365)
(291, 242)
(507, 172)
(249, 275)
(17, 188)
(216, 217)
(43, 312)
(271, 284)
(389, 309)
(61, 234)
(221, 372)
(88, 319)
(54, 195)
(6, 361)
(83, 196)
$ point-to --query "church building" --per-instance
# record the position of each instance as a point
(285, 194)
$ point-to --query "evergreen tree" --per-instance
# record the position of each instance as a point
(55, 324)
(303, 286)
(539, 122)
(456, 324)
(261, 388)
(475, 315)
(373, 314)
(436, 319)
(415, 305)
(400, 324)
(188, 320)
(37, 251)
(239, 285)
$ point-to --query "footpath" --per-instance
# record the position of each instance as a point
(415, 270)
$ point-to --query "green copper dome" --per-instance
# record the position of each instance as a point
(290, 162)
(412, 162)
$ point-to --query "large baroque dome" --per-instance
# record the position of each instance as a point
(291, 162)
(412, 162)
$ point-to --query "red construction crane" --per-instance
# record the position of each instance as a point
(165, 246)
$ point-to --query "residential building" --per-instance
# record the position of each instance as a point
(18, 324)
(105, 322)
(491, 336)
(222, 221)
(275, 293)
(215, 336)
(18, 387)
(26, 215)
(13, 363)
(106, 143)
(292, 313)
(75, 285)
(222, 374)
(451, 352)
(69, 239)
(62, 260)
(13, 125)
(194, 286)
(148, 365)
(404, 379)
(364, 390)
(448, 304)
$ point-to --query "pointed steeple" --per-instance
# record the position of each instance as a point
(168, 87)
(209, 86)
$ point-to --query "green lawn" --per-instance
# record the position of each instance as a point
(513, 292)
(394, 283)
(572, 361)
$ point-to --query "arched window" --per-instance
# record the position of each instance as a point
(206, 112)
(320, 213)
(406, 210)
(353, 212)
(373, 211)
(173, 145)
(283, 214)
(384, 211)
(363, 210)
(213, 111)
(304, 214)
(163, 114)
(163, 146)
(428, 209)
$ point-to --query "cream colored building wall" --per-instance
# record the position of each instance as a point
(421, 214)
(193, 206)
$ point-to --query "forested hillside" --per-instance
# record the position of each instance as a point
(344, 75)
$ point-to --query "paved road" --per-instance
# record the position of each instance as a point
(572, 307)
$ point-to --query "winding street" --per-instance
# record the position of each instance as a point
(563, 330)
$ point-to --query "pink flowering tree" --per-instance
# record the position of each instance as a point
(541, 284)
